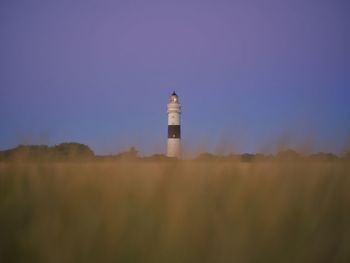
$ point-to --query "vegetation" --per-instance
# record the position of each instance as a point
(179, 211)
(61, 152)
(80, 152)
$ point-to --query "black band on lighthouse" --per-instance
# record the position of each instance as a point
(174, 131)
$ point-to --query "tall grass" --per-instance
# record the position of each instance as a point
(175, 212)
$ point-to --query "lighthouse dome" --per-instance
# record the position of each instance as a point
(174, 98)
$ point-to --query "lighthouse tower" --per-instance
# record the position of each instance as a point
(174, 131)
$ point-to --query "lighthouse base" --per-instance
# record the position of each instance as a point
(174, 147)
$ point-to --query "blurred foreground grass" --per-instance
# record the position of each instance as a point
(175, 212)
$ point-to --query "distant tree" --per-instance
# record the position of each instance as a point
(233, 157)
(26, 153)
(247, 157)
(262, 157)
(288, 155)
(130, 154)
(72, 151)
(63, 151)
(323, 157)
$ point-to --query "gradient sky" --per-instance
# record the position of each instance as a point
(252, 75)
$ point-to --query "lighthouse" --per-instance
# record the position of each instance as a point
(174, 130)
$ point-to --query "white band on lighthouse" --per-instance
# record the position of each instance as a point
(174, 126)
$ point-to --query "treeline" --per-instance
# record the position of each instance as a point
(286, 155)
(61, 152)
(80, 152)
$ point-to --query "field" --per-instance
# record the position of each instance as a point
(175, 212)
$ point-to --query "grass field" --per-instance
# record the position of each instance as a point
(175, 212)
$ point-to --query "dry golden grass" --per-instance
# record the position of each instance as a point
(175, 212)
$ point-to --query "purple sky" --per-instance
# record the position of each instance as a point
(252, 75)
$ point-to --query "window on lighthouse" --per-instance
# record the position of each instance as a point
(173, 99)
